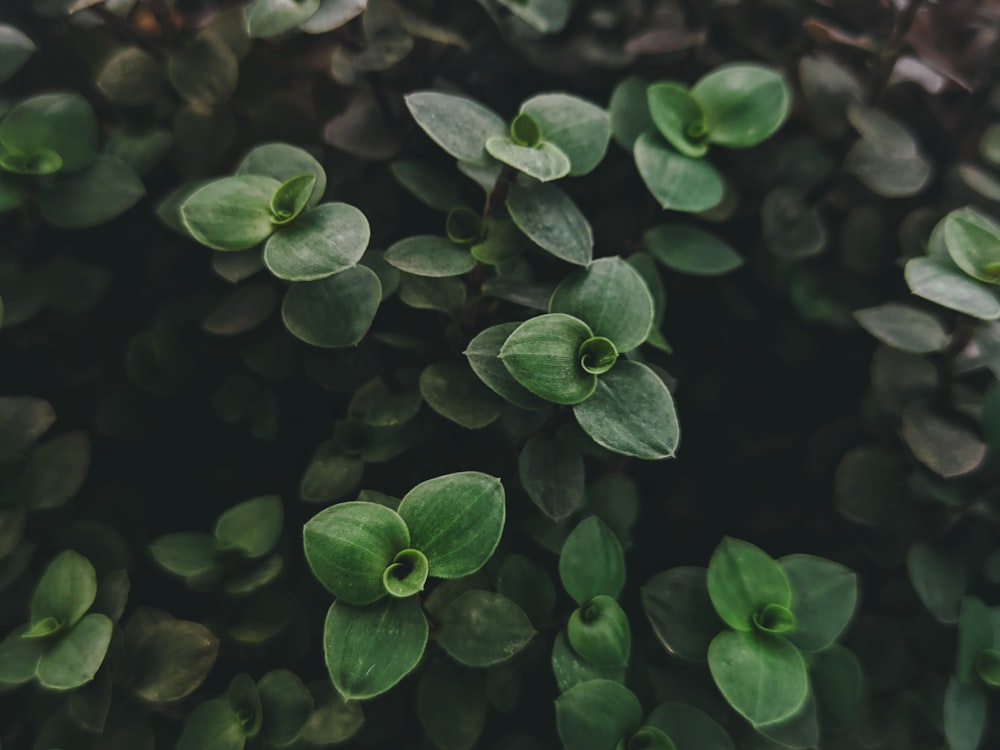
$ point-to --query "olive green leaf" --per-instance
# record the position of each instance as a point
(680, 611)
(598, 630)
(370, 649)
(975, 636)
(272, 17)
(543, 355)
(231, 213)
(824, 598)
(65, 591)
(55, 471)
(458, 125)
(75, 657)
(19, 657)
(428, 183)
(679, 118)
(579, 129)
(455, 520)
(596, 715)
(166, 659)
(428, 255)
(452, 705)
(552, 474)
(186, 553)
(286, 705)
(212, 725)
(678, 182)
(544, 16)
(23, 420)
(629, 109)
(688, 249)
(592, 562)
(15, 49)
(131, 77)
(744, 103)
(333, 312)
(103, 190)
(690, 728)
(742, 580)
(481, 628)
(550, 219)
(571, 669)
(61, 124)
(283, 162)
(321, 242)
(939, 578)
(904, 327)
(253, 527)
(943, 283)
(349, 546)
(453, 391)
(529, 586)
(205, 72)
(245, 702)
(483, 353)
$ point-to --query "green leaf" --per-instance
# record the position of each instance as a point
(423, 293)
(282, 162)
(591, 562)
(629, 108)
(579, 129)
(272, 17)
(62, 123)
(678, 182)
(838, 682)
(99, 193)
(464, 226)
(19, 657)
(973, 242)
(213, 725)
(55, 471)
(322, 242)
(428, 255)
(186, 554)
(348, 547)
(370, 649)
(544, 16)
(245, 702)
(453, 391)
(253, 527)
(231, 213)
(944, 444)
(611, 297)
(943, 283)
(940, 580)
(333, 312)
(631, 412)
(407, 574)
(743, 579)
(15, 49)
(142, 150)
(903, 327)
(456, 520)
(571, 669)
(799, 731)
(333, 14)
(679, 118)
(545, 162)
(598, 630)
(763, 677)
(744, 103)
(290, 199)
(481, 628)
(965, 715)
(428, 183)
(552, 221)
(286, 705)
(131, 77)
(690, 728)
(793, 229)
(458, 125)
(975, 635)
(168, 659)
(76, 656)
(680, 611)
(66, 590)
(543, 355)
(377, 404)
(824, 598)
(688, 249)
(529, 586)
(205, 72)
(483, 353)
(596, 715)
(23, 420)
(552, 473)
(451, 704)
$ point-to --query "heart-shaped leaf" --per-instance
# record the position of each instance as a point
(679, 118)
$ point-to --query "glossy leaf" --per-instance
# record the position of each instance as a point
(102, 191)
(943, 283)
(65, 591)
(763, 677)
(824, 598)
(75, 658)
(370, 649)
(428, 255)
(690, 728)
(579, 129)
(212, 725)
(272, 17)
(453, 391)
(598, 630)
(253, 527)
(631, 412)
(571, 669)
(456, 520)
(744, 103)
(690, 250)
(64, 124)
(973, 242)
(591, 562)
(678, 182)
(483, 353)
(742, 579)
(333, 312)
(903, 327)
(679, 118)
(481, 628)
(550, 219)
(680, 611)
(458, 125)
(552, 474)
(231, 213)
(596, 715)
(543, 355)
(349, 546)
(321, 242)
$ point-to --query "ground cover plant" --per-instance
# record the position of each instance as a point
(506, 374)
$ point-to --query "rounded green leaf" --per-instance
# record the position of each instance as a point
(988, 667)
(742, 580)
(631, 412)
(15, 49)
(186, 553)
(286, 705)
(678, 117)
(333, 312)
(453, 391)
(545, 162)
(19, 657)
(370, 649)
(65, 591)
(452, 705)
(973, 242)
(40, 163)
(76, 656)
(428, 255)
(611, 297)
(213, 725)
(598, 630)
(231, 213)
(131, 77)
(975, 635)
(551, 471)
(168, 659)
(407, 574)
(838, 681)
(690, 728)
(330, 475)
(579, 129)
(903, 327)
(349, 546)
(529, 586)
(245, 701)
(744, 103)
(483, 353)
(464, 226)
(103, 190)
(824, 597)
(793, 229)
(966, 714)
(456, 520)
(941, 282)
(763, 677)
(272, 17)
(571, 669)
(253, 527)
(544, 16)
(63, 123)
(680, 611)
(290, 199)
(333, 14)
(282, 162)
(481, 628)
(552, 221)
(678, 182)
(629, 109)
(458, 125)
(688, 249)
(428, 183)
(592, 562)
(596, 715)
(939, 578)
(205, 71)
(543, 355)
(321, 242)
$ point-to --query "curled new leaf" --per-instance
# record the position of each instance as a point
(543, 355)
